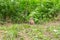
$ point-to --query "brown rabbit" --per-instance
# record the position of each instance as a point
(31, 21)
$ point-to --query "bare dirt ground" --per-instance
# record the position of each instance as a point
(26, 37)
(55, 23)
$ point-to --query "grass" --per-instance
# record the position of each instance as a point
(29, 32)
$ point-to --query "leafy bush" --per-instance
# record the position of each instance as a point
(46, 10)
(22, 10)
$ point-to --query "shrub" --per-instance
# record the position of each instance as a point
(22, 10)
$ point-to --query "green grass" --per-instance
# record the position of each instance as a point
(31, 32)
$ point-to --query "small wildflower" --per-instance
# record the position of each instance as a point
(55, 30)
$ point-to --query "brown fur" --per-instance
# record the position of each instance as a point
(31, 21)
